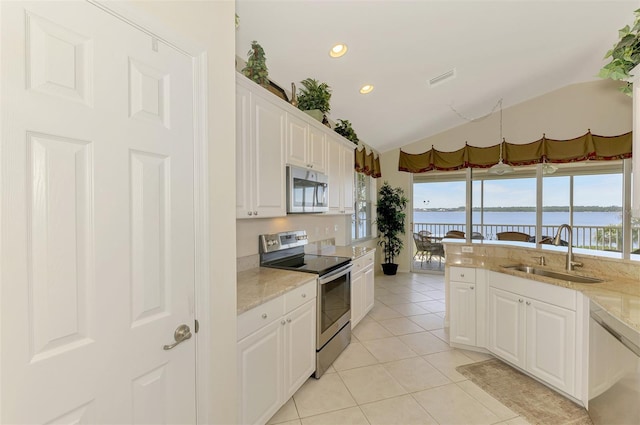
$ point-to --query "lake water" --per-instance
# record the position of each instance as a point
(522, 218)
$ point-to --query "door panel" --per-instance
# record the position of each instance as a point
(506, 326)
(98, 219)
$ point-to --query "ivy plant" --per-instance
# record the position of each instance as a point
(314, 95)
(256, 68)
(343, 128)
(625, 55)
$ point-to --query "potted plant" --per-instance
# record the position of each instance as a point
(314, 96)
(625, 55)
(390, 221)
(256, 68)
(343, 128)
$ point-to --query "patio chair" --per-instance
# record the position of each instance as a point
(455, 234)
(513, 236)
(422, 248)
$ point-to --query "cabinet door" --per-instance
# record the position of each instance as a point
(357, 298)
(506, 326)
(317, 149)
(297, 142)
(244, 161)
(260, 372)
(334, 172)
(348, 178)
(551, 344)
(300, 347)
(462, 300)
(269, 170)
(369, 285)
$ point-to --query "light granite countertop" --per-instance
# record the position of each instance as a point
(618, 294)
(261, 284)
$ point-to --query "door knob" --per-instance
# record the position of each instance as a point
(182, 333)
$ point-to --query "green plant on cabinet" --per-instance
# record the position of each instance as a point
(343, 128)
(256, 68)
(314, 95)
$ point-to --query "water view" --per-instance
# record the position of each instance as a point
(601, 219)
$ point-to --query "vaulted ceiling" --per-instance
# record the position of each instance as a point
(510, 50)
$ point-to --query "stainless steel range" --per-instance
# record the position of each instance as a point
(333, 330)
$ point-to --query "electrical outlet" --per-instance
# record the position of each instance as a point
(467, 249)
(335, 227)
(466, 261)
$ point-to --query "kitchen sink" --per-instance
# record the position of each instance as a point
(554, 275)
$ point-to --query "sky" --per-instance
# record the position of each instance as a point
(599, 190)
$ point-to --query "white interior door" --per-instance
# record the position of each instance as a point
(97, 220)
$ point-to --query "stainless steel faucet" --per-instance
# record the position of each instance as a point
(556, 241)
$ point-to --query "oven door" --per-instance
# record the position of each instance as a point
(334, 303)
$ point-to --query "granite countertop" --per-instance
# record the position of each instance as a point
(259, 285)
(619, 295)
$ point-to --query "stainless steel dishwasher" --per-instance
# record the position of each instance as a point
(614, 370)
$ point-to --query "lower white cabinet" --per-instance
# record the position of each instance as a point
(467, 307)
(276, 352)
(362, 287)
(532, 325)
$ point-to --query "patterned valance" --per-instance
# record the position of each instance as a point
(586, 147)
(367, 163)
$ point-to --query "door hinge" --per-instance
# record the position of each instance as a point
(196, 326)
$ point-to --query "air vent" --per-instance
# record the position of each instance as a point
(442, 78)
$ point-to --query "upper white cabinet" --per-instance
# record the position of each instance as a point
(340, 169)
(306, 145)
(260, 144)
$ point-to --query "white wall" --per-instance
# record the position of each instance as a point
(211, 24)
(562, 114)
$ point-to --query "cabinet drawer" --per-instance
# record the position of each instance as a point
(367, 260)
(462, 274)
(295, 298)
(256, 318)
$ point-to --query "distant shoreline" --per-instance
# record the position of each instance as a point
(527, 209)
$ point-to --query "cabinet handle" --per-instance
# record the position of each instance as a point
(472, 287)
(528, 302)
(520, 300)
(461, 274)
(249, 213)
(282, 322)
(288, 320)
(304, 295)
(264, 315)
(255, 213)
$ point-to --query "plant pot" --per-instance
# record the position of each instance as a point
(390, 268)
(315, 113)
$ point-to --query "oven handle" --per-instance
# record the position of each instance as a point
(334, 274)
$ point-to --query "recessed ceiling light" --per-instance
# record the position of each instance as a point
(338, 50)
(367, 88)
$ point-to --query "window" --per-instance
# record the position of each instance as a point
(363, 216)
(588, 196)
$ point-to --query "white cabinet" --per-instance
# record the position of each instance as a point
(306, 145)
(467, 307)
(260, 144)
(276, 352)
(362, 287)
(533, 326)
(340, 169)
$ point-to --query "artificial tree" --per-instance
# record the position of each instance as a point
(390, 220)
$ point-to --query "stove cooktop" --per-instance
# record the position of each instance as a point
(309, 263)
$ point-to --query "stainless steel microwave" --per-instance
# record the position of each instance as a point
(307, 191)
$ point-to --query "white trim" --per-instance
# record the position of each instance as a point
(143, 22)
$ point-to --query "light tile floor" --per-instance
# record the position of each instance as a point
(399, 368)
